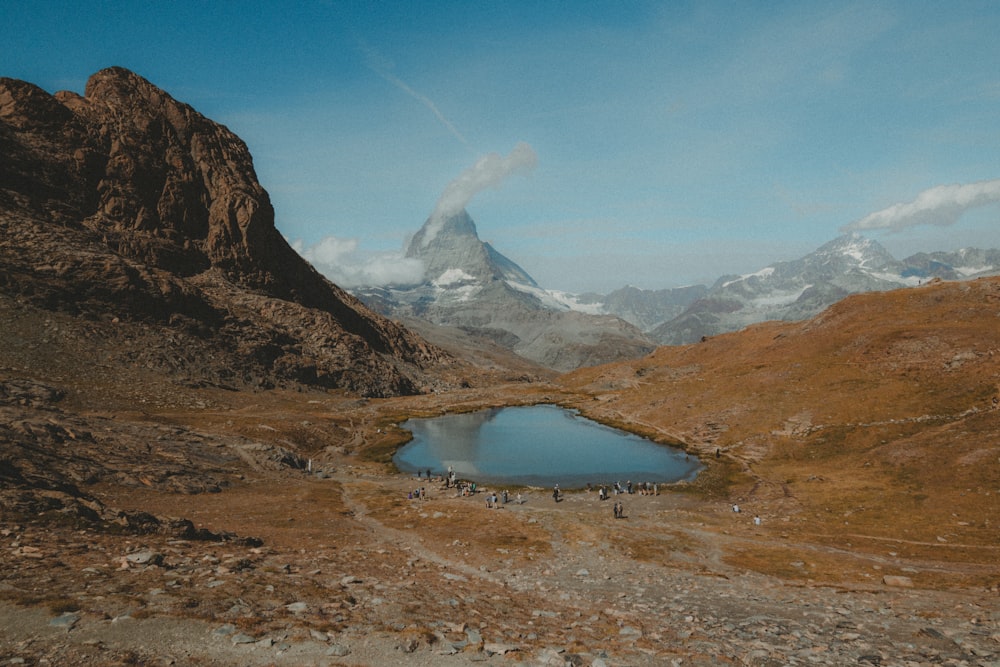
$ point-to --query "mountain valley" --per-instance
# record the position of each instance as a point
(196, 431)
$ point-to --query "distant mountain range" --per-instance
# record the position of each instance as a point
(801, 288)
(472, 286)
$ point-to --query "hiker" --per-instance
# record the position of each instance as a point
(756, 521)
(555, 493)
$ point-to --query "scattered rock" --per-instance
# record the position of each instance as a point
(898, 581)
(338, 650)
(145, 557)
(66, 620)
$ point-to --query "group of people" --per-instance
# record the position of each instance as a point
(756, 518)
(644, 489)
(492, 502)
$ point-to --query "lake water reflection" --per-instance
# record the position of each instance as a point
(540, 445)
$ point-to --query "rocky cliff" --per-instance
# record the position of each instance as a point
(125, 204)
(471, 286)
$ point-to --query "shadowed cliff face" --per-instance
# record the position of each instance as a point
(126, 200)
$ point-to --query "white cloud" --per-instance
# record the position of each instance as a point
(489, 171)
(941, 205)
(345, 264)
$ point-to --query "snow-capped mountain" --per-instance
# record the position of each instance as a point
(802, 288)
(452, 253)
(470, 285)
(647, 309)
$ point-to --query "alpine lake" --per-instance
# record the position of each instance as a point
(538, 446)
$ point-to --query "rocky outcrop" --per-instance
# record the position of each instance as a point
(126, 203)
(802, 288)
(47, 455)
(471, 286)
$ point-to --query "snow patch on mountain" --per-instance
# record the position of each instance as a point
(859, 249)
(973, 270)
(902, 281)
(779, 298)
(766, 272)
(453, 277)
(558, 300)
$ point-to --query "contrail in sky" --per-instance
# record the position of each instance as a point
(378, 64)
(941, 205)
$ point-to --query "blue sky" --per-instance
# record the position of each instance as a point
(674, 142)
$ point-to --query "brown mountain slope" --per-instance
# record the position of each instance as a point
(159, 506)
(126, 204)
(875, 422)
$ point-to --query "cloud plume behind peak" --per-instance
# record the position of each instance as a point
(941, 205)
(489, 171)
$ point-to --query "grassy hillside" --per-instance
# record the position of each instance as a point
(874, 424)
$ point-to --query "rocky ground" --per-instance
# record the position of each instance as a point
(333, 564)
(146, 519)
(195, 428)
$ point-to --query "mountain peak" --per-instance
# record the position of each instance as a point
(154, 213)
(857, 248)
(451, 245)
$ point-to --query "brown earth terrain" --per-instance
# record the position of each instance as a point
(196, 431)
(877, 545)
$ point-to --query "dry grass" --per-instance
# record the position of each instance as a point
(852, 426)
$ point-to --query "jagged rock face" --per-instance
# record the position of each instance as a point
(802, 288)
(471, 286)
(127, 200)
(453, 244)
